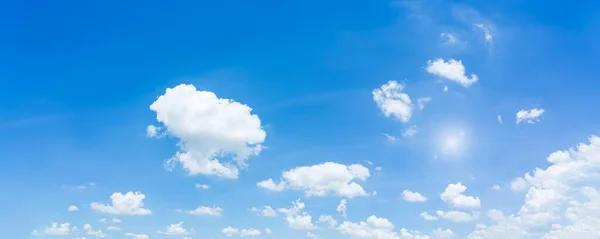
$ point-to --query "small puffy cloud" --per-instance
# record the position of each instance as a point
(174, 229)
(445, 88)
(376, 227)
(410, 131)
(496, 187)
(322, 179)
(449, 38)
(90, 232)
(230, 231)
(209, 211)
(123, 204)
(153, 131)
(452, 70)
(455, 216)
(500, 119)
(328, 219)
(58, 230)
(208, 128)
(113, 228)
(202, 186)
(268, 231)
(267, 211)
(486, 31)
(136, 236)
(34, 233)
(296, 218)
(529, 116)
(422, 101)
(311, 235)
(102, 220)
(342, 207)
(454, 197)
(72, 208)
(116, 220)
(428, 216)
(410, 196)
(392, 101)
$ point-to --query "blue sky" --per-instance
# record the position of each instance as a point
(79, 78)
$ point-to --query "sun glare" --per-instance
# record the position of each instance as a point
(452, 143)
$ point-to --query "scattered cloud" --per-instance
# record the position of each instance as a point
(428, 216)
(410, 196)
(392, 101)
(202, 186)
(422, 101)
(518, 184)
(113, 228)
(445, 88)
(208, 127)
(267, 211)
(328, 219)
(90, 232)
(454, 197)
(203, 210)
(449, 38)
(137, 236)
(175, 229)
(455, 216)
(296, 218)
(529, 116)
(496, 187)
(376, 227)
(58, 230)
(72, 208)
(486, 31)
(452, 70)
(123, 204)
(390, 137)
(500, 119)
(342, 207)
(410, 131)
(230, 231)
(322, 179)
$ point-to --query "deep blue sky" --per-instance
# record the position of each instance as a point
(78, 78)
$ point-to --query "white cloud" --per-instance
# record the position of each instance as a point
(56, 229)
(267, 211)
(34, 233)
(328, 219)
(202, 186)
(89, 231)
(268, 231)
(410, 196)
(322, 180)
(518, 184)
(438, 233)
(153, 131)
(203, 210)
(113, 228)
(175, 229)
(390, 137)
(72, 208)
(422, 101)
(449, 38)
(529, 116)
(230, 231)
(500, 119)
(311, 235)
(428, 216)
(486, 31)
(454, 197)
(136, 236)
(455, 216)
(559, 202)
(102, 220)
(208, 127)
(452, 70)
(116, 220)
(392, 101)
(296, 218)
(374, 227)
(123, 204)
(342, 207)
(445, 88)
(410, 131)
(496, 187)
